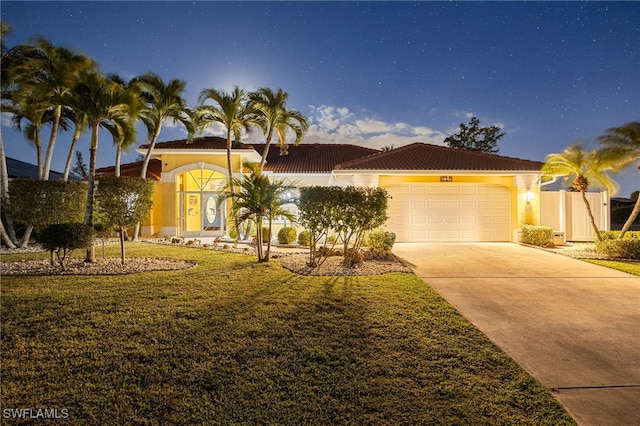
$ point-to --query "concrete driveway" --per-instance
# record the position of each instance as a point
(572, 325)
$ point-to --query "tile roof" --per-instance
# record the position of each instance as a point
(312, 158)
(421, 156)
(154, 170)
(203, 143)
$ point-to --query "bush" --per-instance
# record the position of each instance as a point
(612, 235)
(381, 240)
(265, 234)
(620, 249)
(304, 238)
(537, 235)
(287, 235)
(64, 238)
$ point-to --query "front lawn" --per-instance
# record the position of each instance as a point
(621, 265)
(232, 341)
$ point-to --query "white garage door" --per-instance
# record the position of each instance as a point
(448, 212)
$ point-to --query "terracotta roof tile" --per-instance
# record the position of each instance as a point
(154, 170)
(312, 158)
(207, 142)
(421, 156)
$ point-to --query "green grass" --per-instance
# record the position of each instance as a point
(624, 266)
(232, 341)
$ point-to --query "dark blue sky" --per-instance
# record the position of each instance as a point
(373, 73)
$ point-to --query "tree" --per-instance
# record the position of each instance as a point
(106, 105)
(55, 70)
(626, 139)
(8, 234)
(81, 125)
(259, 199)
(43, 77)
(476, 138)
(583, 168)
(356, 211)
(80, 170)
(314, 214)
(232, 112)
(123, 202)
(278, 118)
(126, 136)
(163, 101)
(349, 211)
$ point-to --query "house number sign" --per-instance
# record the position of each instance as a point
(446, 178)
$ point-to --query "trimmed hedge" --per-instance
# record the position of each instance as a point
(287, 235)
(627, 248)
(304, 238)
(537, 235)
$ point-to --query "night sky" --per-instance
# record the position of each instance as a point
(370, 73)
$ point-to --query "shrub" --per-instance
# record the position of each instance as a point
(266, 236)
(379, 239)
(620, 249)
(612, 235)
(287, 235)
(303, 238)
(537, 235)
(64, 238)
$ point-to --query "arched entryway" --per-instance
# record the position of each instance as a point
(202, 203)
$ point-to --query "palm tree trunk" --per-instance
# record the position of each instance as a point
(122, 253)
(267, 143)
(232, 190)
(145, 166)
(52, 141)
(593, 221)
(5, 237)
(4, 197)
(72, 150)
(259, 238)
(38, 143)
(632, 218)
(88, 215)
(118, 160)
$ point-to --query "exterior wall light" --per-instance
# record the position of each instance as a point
(529, 196)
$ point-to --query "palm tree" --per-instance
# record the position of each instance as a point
(277, 118)
(260, 199)
(627, 139)
(8, 234)
(55, 71)
(583, 168)
(80, 125)
(163, 101)
(106, 105)
(232, 111)
(126, 137)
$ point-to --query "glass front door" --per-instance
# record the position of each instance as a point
(202, 214)
(202, 203)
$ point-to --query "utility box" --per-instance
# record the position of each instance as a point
(559, 238)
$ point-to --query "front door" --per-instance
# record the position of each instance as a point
(202, 213)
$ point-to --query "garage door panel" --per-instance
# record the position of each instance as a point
(449, 212)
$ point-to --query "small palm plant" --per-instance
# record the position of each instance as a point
(259, 199)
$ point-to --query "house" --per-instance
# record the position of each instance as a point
(20, 169)
(437, 193)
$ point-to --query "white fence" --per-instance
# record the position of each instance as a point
(566, 212)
